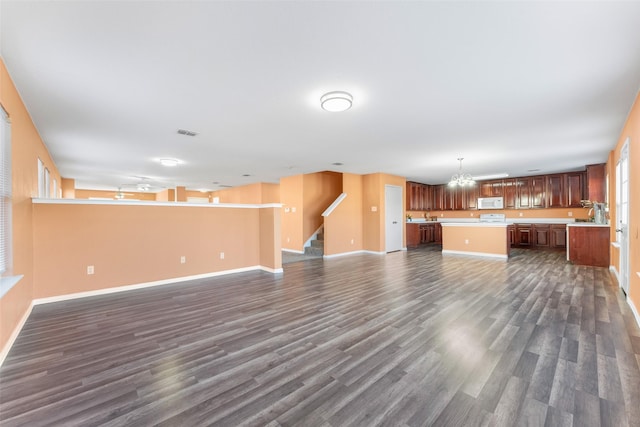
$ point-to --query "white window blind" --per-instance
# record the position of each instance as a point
(5, 192)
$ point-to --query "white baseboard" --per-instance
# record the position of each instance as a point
(613, 270)
(474, 254)
(294, 251)
(272, 270)
(149, 284)
(14, 334)
(352, 253)
(634, 310)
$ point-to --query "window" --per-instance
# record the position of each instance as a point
(5, 192)
(40, 178)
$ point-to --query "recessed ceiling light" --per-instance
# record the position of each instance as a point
(187, 132)
(224, 186)
(169, 162)
(336, 101)
(246, 174)
(216, 182)
(533, 170)
(337, 164)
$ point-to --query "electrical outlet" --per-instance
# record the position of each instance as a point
(286, 210)
(520, 214)
(293, 209)
(90, 269)
(183, 259)
(352, 241)
(374, 209)
(570, 213)
(221, 255)
(466, 241)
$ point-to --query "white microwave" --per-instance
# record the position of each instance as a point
(491, 203)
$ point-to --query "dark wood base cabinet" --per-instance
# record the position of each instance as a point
(589, 246)
(538, 235)
(423, 233)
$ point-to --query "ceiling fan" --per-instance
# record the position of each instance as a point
(121, 195)
(143, 185)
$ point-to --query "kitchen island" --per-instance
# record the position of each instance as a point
(487, 239)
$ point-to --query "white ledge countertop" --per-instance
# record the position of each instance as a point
(588, 224)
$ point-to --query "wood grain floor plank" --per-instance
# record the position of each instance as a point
(407, 339)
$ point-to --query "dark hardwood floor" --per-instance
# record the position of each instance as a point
(407, 339)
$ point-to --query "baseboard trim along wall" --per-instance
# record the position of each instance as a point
(634, 310)
(14, 335)
(352, 253)
(475, 254)
(148, 284)
(67, 297)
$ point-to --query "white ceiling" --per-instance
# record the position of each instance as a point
(510, 86)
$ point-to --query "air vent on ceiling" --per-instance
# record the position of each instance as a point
(187, 132)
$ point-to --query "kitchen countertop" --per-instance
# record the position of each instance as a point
(588, 224)
(476, 220)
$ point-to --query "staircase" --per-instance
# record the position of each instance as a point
(317, 246)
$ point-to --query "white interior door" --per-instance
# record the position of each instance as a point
(622, 214)
(393, 217)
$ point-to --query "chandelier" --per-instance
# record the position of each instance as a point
(461, 179)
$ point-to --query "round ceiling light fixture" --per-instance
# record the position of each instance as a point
(336, 101)
(169, 162)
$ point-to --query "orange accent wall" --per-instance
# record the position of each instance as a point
(257, 193)
(291, 199)
(319, 191)
(68, 187)
(374, 196)
(486, 240)
(630, 130)
(27, 147)
(344, 224)
(123, 244)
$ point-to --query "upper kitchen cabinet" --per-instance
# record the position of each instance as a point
(509, 187)
(471, 196)
(531, 192)
(596, 183)
(575, 189)
(491, 188)
(414, 196)
(556, 196)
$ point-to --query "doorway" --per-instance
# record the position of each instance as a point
(393, 220)
(622, 215)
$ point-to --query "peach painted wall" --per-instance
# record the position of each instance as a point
(630, 130)
(344, 224)
(123, 244)
(104, 194)
(257, 193)
(374, 196)
(181, 194)
(291, 188)
(270, 249)
(27, 147)
(319, 191)
(68, 186)
(487, 240)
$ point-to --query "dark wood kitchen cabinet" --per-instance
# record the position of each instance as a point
(555, 191)
(509, 193)
(541, 235)
(538, 192)
(524, 235)
(596, 183)
(413, 235)
(491, 188)
(589, 245)
(471, 197)
(558, 236)
(575, 189)
(511, 234)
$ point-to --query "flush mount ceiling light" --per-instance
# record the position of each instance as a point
(169, 162)
(336, 101)
(461, 179)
